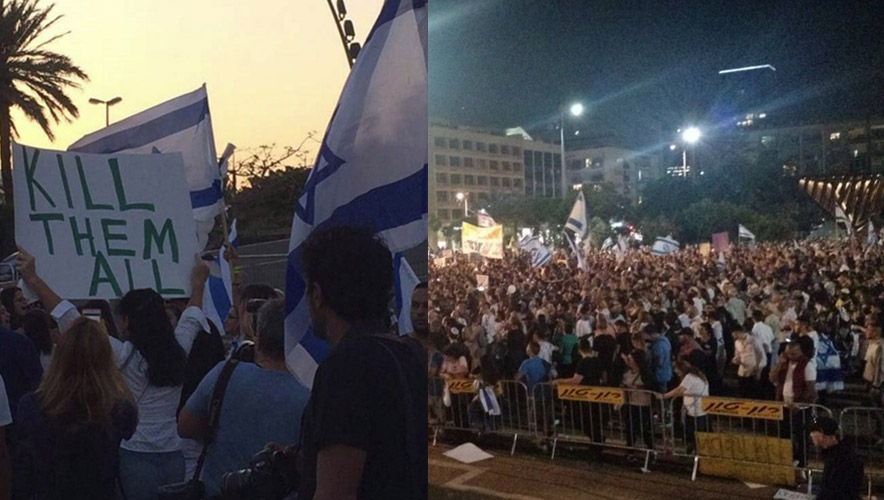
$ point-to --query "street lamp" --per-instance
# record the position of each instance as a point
(690, 136)
(107, 105)
(466, 201)
(576, 109)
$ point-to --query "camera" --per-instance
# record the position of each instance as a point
(271, 475)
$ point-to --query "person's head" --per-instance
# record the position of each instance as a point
(824, 432)
(83, 383)
(147, 326)
(873, 332)
(739, 332)
(584, 311)
(621, 326)
(685, 335)
(349, 277)
(683, 368)
(758, 316)
(793, 351)
(251, 298)
(107, 315)
(36, 326)
(533, 349)
(16, 305)
(705, 331)
(584, 346)
(271, 331)
(420, 310)
(652, 331)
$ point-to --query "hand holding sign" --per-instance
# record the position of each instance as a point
(26, 265)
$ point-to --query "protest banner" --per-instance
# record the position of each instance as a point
(482, 281)
(101, 225)
(705, 249)
(486, 241)
(721, 242)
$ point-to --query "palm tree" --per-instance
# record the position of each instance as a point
(32, 79)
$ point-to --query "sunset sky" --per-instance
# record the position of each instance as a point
(273, 68)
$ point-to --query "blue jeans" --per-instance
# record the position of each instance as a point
(143, 473)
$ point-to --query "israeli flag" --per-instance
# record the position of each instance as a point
(181, 125)
(745, 233)
(371, 169)
(405, 281)
(664, 246)
(218, 293)
(842, 218)
(540, 255)
(577, 219)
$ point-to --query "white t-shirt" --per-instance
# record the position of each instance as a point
(157, 430)
(694, 390)
(584, 327)
(5, 413)
(546, 351)
(765, 335)
(816, 345)
(788, 389)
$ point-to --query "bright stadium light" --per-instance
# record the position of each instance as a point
(577, 109)
(691, 135)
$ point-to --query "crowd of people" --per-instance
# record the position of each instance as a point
(786, 322)
(138, 400)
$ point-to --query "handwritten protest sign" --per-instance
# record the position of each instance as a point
(101, 225)
(486, 241)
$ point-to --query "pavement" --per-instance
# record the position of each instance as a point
(535, 477)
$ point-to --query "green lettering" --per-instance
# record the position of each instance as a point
(30, 171)
(86, 194)
(45, 218)
(165, 292)
(64, 180)
(129, 274)
(108, 237)
(150, 233)
(102, 273)
(78, 236)
(121, 193)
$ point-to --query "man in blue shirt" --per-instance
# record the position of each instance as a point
(533, 370)
(661, 357)
(263, 403)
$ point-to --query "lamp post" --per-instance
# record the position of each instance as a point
(575, 109)
(107, 105)
(466, 202)
(690, 136)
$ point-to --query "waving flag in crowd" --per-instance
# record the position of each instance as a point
(485, 220)
(405, 281)
(577, 219)
(745, 233)
(181, 125)
(664, 246)
(218, 294)
(371, 169)
(842, 218)
(540, 255)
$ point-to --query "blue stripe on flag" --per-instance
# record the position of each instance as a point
(206, 197)
(154, 130)
(575, 223)
(219, 298)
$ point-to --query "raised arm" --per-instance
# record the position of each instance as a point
(27, 268)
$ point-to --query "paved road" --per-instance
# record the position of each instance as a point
(529, 477)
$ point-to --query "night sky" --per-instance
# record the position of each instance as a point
(646, 68)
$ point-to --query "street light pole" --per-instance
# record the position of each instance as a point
(562, 142)
(107, 105)
(466, 203)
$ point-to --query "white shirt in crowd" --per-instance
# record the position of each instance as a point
(584, 327)
(816, 345)
(699, 303)
(694, 390)
(157, 430)
(749, 355)
(765, 335)
(546, 351)
(5, 413)
(788, 388)
(684, 320)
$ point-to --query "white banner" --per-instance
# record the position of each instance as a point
(101, 225)
(486, 241)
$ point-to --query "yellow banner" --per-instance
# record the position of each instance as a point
(485, 241)
(461, 386)
(705, 249)
(739, 408)
(756, 459)
(609, 395)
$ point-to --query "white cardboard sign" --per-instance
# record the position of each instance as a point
(101, 225)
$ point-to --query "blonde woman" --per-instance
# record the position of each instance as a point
(73, 424)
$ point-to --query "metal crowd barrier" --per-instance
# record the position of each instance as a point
(600, 416)
(865, 425)
(462, 410)
(642, 422)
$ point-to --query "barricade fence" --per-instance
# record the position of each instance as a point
(767, 434)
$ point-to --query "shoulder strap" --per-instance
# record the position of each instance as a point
(215, 411)
(408, 409)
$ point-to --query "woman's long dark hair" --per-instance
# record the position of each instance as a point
(153, 336)
(36, 325)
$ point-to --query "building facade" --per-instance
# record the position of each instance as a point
(621, 169)
(478, 164)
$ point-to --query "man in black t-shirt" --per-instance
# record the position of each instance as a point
(363, 430)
